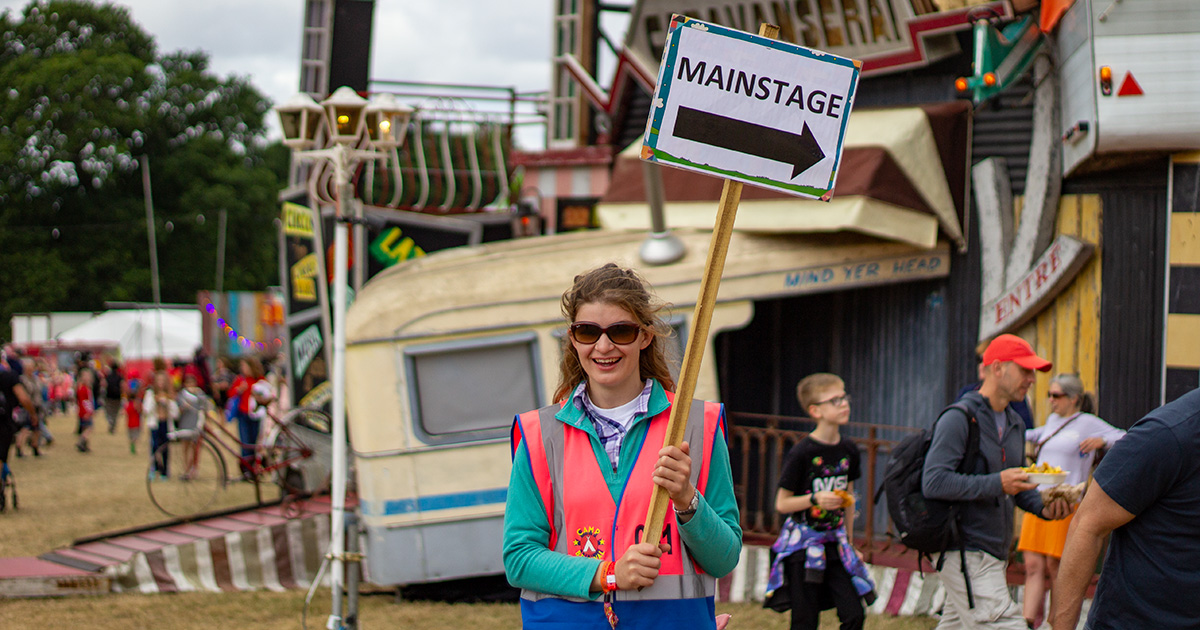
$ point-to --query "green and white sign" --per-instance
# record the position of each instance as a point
(749, 108)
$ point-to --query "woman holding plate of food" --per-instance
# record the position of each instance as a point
(1070, 440)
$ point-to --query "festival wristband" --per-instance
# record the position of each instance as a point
(610, 577)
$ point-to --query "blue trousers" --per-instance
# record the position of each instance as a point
(248, 428)
(158, 437)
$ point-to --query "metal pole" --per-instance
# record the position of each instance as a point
(150, 234)
(338, 484)
(660, 247)
(220, 281)
(869, 495)
(149, 199)
(319, 246)
(360, 249)
(354, 575)
(220, 250)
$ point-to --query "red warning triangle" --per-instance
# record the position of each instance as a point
(1130, 87)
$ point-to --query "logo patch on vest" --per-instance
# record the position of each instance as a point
(588, 543)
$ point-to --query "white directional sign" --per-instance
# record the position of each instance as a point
(749, 108)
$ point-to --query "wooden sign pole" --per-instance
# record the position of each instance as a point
(714, 264)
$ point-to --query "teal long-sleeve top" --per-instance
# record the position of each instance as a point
(713, 535)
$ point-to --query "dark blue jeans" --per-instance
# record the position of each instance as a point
(158, 437)
(248, 428)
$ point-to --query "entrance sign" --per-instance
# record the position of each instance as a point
(750, 108)
(1031, 293)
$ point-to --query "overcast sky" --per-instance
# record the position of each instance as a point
(501, 43)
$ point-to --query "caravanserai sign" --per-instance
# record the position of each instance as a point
(887, 35)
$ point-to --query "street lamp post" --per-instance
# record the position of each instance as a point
(348, 116)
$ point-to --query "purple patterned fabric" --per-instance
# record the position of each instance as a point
(795, 537)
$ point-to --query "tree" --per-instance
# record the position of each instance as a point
(86, 98)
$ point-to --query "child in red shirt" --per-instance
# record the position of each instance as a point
(86, 405)
(133, 414)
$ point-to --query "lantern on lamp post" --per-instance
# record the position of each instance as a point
(344, 115)
(387, 121)
(348, 116)
(299, 117)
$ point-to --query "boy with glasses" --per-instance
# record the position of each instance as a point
(816, 566)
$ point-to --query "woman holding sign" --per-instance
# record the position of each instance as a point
(584, 469)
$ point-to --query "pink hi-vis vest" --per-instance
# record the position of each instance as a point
(585, 521)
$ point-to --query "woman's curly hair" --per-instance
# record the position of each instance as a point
(611, 284)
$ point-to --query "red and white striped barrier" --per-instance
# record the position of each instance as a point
(251, 550)
(899, 590)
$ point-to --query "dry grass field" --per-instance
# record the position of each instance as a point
(67, 495)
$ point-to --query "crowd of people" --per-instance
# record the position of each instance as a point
(577, 550)
(171, 400)
(1138, 487)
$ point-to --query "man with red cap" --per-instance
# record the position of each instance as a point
(987, 492)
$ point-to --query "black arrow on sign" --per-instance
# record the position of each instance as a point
(799, 150)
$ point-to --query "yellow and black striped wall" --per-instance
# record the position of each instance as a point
(1181, 343)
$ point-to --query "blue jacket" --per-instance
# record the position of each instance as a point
(988, 518)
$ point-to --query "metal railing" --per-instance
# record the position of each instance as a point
(758, 444)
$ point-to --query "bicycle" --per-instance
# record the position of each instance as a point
(201, 473)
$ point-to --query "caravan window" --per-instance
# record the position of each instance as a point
(471, 389)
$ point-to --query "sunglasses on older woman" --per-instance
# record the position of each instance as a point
(620, 333)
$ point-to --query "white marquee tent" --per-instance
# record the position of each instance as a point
(143, 333)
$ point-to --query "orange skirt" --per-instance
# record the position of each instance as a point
(1044, 537)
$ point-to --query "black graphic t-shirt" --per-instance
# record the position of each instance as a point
(813, 466)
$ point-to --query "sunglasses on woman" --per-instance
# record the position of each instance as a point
(620, 333)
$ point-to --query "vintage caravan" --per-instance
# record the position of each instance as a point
(1128, 80)
(444, 350)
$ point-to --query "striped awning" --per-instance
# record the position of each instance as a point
(259, 548)
(903, 178)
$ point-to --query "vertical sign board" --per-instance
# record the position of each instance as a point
(308, 373)
(752, 109)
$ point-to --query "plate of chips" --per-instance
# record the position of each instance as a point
(1044, 473)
